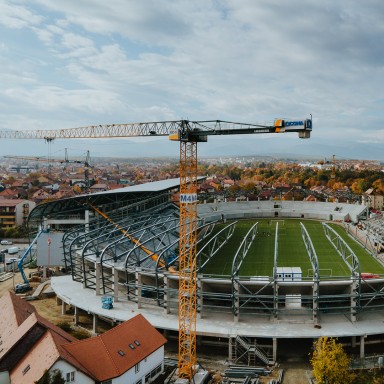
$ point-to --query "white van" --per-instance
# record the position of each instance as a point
(5, 242)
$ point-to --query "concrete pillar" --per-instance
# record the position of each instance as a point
(167, 309)
(315, 302)
(353, 341)
(139, 284)
(236, 300)
(362, 345)
(97, 277)
(83, 269)
(115, 285)
(231, 349)
(95, 323)
(275, 300)
(354, 293)
(86, 220)
(63, 307)
(274, 349)
(76, 316)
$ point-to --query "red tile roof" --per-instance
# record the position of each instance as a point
(44, 353)
(14, 312)
(11, 305)
(100, 355)
(18, 321)
(8, 193)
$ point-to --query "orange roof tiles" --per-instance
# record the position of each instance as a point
(100, 355)
(22, 330)
(31, 344)
(41, 356)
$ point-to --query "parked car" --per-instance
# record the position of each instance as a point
(6, 242)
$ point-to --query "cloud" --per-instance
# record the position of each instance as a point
(17, 17)
(246, 61)
(54, 98)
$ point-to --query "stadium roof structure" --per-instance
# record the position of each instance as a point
(76, 204)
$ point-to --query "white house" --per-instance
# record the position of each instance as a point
(132, 352)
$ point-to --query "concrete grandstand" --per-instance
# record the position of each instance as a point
(124, 244)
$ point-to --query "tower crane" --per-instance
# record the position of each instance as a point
(188, 134)
(333, 170)
(86, 163)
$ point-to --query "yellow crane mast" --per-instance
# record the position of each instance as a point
(188, 133)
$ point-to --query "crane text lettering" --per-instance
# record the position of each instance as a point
(188, 198)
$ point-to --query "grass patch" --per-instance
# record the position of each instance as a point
(259, 260)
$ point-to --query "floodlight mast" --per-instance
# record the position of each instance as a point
(188, 133)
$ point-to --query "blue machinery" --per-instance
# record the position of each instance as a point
(107, 302)
(24, 287)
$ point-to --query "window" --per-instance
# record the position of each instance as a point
(138, 381)
(26, 369)
(70, 377)
(106, 382)
(156, 371)
(137, 367)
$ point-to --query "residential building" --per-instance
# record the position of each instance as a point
(14, 212)
(373, 200)
(132, 352)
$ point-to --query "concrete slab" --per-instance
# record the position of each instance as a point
(218, 324)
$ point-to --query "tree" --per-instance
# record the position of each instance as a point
(57, 378)
(51, 378)
(330, 363)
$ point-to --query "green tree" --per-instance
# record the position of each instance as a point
(51, 378)
(330, 363)
(45, 379)
(57, 378)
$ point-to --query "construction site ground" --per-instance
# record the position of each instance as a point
(295, 367)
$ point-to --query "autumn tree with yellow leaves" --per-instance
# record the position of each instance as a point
(330, 363)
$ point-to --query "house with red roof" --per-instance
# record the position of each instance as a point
(132, 352)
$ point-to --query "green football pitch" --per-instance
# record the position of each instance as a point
(292, 252)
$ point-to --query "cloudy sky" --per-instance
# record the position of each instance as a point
(75, 63)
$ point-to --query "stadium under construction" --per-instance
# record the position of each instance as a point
(121, 248)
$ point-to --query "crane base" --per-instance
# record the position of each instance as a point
(201, 377)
